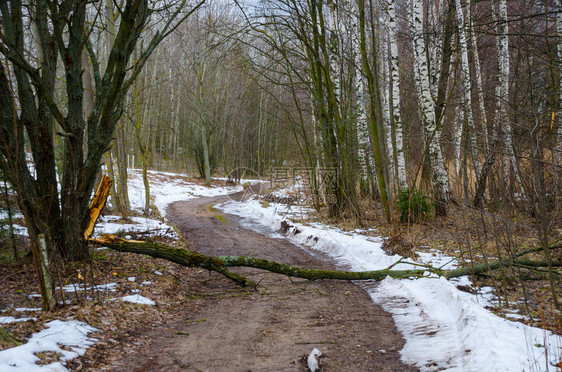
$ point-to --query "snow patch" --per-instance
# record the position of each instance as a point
(167, 190)
(11, 319)
(69, 339)
(109, 225)
(71, 288)
(448, 329)
(138, 299)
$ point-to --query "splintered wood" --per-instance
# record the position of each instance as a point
(97, 204)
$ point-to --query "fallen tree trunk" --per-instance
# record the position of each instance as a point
(178, 255)
(221, 264)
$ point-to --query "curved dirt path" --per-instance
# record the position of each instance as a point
(230, 329)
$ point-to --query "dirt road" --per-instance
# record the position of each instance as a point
(231, 329)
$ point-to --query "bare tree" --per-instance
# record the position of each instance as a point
(35, 111)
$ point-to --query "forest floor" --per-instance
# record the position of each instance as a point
(202, 321)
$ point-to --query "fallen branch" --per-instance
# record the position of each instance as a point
(178, 255)
(494, 265)
(221, 264)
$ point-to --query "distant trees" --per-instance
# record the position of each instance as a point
(203, 109)
(435, 83)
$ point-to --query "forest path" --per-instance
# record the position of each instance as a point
(272, 329)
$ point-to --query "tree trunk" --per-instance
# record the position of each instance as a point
(438, 170)
(478, 80)
(558, 149)
(121, 157)
(44, 270)
(458, 140)
(509, 161)
(361, 104)
(375, 114)
(206, 161)
(396, 117)
(144, 149)
(115, 196)
(467, 90)
(10, 219)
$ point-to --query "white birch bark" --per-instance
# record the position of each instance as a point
(467, 89)
(478, 81)
(359, 87)
(498, 89)
(417, 78)
(385, 89)
(332, 25)
(503, 65)
(396, 117)
(458, 141)
(438, 170)
(434, 10)
(503, 53)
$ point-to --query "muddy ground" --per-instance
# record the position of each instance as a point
(226, 328)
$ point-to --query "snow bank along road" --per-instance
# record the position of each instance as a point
(444, 328)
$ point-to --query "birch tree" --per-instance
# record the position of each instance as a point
(478, 77)
(375, 111)
(364, 148)
(467, 89)
(395, 98)
(509, 161)
(433, 134)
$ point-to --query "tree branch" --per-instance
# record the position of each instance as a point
(221, 264)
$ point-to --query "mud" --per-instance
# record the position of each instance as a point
(227, 328)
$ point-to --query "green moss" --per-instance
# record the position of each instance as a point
(221, 218)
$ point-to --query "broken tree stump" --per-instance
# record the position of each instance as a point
(97, 204)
